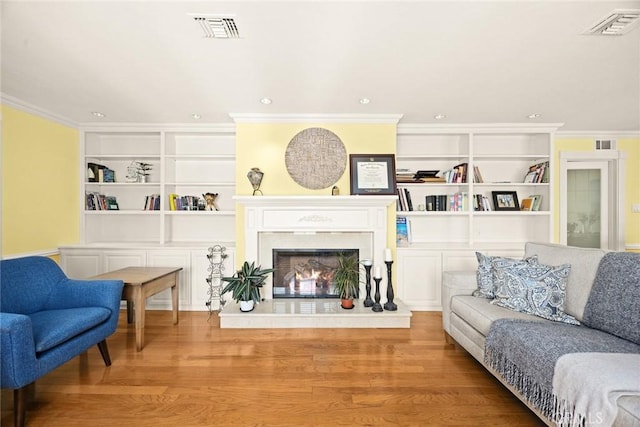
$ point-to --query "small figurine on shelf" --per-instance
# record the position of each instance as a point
(210, 201)
(142, 171)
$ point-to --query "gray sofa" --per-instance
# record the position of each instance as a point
(467, 320)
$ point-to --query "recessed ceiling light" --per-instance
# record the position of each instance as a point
(364, 101)
(266, 101)
(533, 116)
(440, 116)
(196, 116)
(98, 114)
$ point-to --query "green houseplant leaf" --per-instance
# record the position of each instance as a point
(245, 284)
(347, 276)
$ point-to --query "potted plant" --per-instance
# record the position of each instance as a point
(347, 279)
(245, 285)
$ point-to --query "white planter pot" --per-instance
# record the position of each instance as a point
(246, 305)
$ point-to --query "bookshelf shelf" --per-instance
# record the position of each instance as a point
(185, 163)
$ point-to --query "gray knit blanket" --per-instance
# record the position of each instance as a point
(524, 353)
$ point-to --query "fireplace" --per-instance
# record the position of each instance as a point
(300, 224)
(306, 273)
(311, 223)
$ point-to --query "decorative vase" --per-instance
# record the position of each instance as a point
(246, 305)
(255, 178)
(142, 179)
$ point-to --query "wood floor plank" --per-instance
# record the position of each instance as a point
(196, 374)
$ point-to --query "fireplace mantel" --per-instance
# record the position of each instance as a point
(315, 201)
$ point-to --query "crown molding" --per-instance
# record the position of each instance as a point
(229, 128)
(21, 105)
(316, 118)
(419, 128)
(604, 134)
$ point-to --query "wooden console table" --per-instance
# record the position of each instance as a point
(141, 283)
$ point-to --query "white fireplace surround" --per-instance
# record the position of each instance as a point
(320, 222)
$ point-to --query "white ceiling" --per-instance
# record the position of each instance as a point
(475, 61)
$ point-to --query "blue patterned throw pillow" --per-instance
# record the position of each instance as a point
(485, 274)
(536, 289)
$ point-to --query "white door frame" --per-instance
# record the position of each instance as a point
(615, 189)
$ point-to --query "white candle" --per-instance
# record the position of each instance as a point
(366, 262)
(387, 255)
(378, 273)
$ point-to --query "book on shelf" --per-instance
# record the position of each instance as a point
(481, 203)
(456, 175)
(152, 202)
(477, 176)
(99, 173)
(537, 173)
(456, 202)
(403, 231)
(526, 204)
(537, 199)
(186, 203)
(95, 201)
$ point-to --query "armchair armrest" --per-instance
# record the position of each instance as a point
(17, 351)
(455, 283)
(71, 293)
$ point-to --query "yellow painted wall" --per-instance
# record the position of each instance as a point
(40, 182)
(632, 180)
(263, 145)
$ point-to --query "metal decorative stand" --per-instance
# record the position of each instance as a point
(376, 306)
(389, 305)
(216, 258)
(368, 302)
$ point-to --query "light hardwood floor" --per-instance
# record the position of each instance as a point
(196, 374)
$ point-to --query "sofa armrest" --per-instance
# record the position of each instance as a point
(71, 293)
(17, 351)
(455, 283)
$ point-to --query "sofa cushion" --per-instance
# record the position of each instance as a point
(534, 289)
(614, 303)
(480, 313)
(486, 272)
(584, 264)
(53, 327)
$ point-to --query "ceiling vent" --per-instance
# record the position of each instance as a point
(218, 26)
(616, 23)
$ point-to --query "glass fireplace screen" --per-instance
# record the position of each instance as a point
(306, 273)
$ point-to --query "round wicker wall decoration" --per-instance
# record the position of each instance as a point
(316, 158)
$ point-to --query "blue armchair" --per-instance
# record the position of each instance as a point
(46, 319)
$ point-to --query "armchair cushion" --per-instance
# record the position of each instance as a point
(53, 327)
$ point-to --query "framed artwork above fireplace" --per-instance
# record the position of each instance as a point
(372, 174)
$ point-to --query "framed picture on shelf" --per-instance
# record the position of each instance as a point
(505, 201)
(373, 174)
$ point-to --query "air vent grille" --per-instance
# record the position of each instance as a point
(218, 27)
(618, 22)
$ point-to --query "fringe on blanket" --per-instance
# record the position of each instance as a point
(537, 395)
(566, 416)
